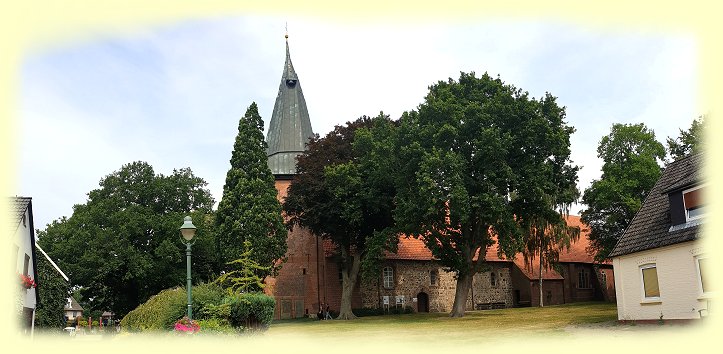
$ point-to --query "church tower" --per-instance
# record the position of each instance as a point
(290, 127)
(299, 286)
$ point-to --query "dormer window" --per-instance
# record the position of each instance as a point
(693, 203)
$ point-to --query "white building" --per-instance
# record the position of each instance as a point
(659, 262)
(21, 214)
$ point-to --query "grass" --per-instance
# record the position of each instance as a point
(474, 326)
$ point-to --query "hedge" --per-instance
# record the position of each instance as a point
(161, 311)
(250, 310)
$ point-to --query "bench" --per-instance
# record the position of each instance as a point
(490, 305)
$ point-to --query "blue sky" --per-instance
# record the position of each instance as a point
(172, 94)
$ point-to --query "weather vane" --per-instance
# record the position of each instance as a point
(286, 29)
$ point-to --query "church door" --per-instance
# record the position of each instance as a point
(422, 302)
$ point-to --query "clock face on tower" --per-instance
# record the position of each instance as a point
(290, 82)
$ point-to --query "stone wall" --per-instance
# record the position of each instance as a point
(414, 277)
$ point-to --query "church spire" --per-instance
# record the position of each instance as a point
(290, 127)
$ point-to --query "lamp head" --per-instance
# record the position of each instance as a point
(188, 230)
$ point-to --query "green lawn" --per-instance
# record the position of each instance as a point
(475, 326)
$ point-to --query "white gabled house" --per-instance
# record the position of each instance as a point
(21, 214)
(659, 262)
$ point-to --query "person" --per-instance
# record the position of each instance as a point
(327, 315)
(320, 315)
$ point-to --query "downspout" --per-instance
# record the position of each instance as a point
(318, 287)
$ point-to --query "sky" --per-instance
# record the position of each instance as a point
(171, 94)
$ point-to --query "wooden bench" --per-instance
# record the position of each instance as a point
(490, 305)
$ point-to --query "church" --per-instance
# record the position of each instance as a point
(411, 277)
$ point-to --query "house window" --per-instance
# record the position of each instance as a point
(583, 279)
(702, 268)
(549, 297)
(650, 281)
(493, 279)
(433, 275)
(388, 276)
(603, 277)
(693, 203)
(26, 264)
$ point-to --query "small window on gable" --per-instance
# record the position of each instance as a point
(693, 203)
(651, 289)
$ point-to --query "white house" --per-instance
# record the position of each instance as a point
(659, 262)
(21, 214)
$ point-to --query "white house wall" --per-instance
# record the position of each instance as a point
(681, 294)
(23, 242)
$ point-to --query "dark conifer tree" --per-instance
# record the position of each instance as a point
(249, 210)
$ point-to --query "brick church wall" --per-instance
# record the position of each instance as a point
(296, 287)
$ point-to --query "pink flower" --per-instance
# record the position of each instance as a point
(186, 325)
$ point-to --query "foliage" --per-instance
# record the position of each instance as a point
(53, 291)
(253, 311)
(162, 311)
(249, 209)
(480, 158)
(216, 326)
(242, 275)
(688, 142)
(630, 169)
(545, 241)
(123, 245)
(83, 323)
(344, 192)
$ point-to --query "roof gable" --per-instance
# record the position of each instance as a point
(650, 227)
(18, 206)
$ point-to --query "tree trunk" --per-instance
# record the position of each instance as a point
(464, 281)
(541, 301)
(349, 278)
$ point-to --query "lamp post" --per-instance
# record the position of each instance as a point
(188, 230)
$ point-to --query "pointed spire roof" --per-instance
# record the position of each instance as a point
(290, 127)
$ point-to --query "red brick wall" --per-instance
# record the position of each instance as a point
(555, 287)
(296, 288)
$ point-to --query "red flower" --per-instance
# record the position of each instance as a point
(187, 325)
(27, 282)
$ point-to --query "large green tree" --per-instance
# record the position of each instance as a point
(344, 192)
(480, 158)
(630, 169)
(249, 209)
(123, 245)
(688, 142)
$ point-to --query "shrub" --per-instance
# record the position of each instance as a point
(162, 311)
(82, 323)
(250, 310)
(368, 311)
(216, 326)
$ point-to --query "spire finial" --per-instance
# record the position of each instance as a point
(286, 29)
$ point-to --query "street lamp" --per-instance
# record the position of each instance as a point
(188, 230)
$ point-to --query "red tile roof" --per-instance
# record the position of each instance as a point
(533, 272)
(410, 248)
